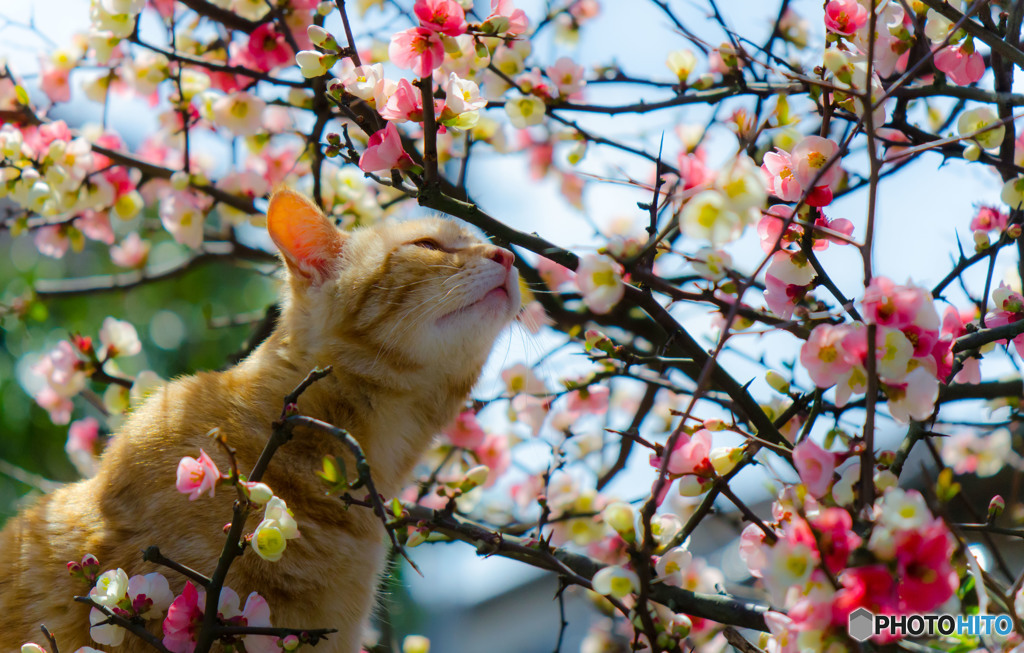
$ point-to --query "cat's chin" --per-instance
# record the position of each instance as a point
(499, 303)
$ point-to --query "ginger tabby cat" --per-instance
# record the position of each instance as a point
(406, 313)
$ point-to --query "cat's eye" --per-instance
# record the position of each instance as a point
(428, 243)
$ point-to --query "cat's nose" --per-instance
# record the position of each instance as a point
(503, 257)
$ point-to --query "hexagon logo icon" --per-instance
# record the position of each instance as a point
(861, 624)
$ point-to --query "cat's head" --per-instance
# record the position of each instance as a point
(397, 300)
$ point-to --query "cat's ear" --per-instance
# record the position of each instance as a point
(308, 240)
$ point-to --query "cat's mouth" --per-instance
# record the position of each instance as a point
(495, 297)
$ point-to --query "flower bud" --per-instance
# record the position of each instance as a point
(416, 538)
(180, 180)
(680, 625)
(972, 152)
(724, 459)
(258, 493)
(128, 205)
(1013, 231)
(318, 35)
(416, 644)
(681, 62)
(325, 8)
(996, 507)
(311, 63)
(777, 382)
(693, 486)
(620, 516)
(289, 643)
(885, 458)
(475, 477)
(981, 241)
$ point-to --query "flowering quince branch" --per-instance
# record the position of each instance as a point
(578, 569)
(153, 554)
(373, 498)
(50, 641)
(233, 545)
(131, 626)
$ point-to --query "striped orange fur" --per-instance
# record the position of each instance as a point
(406, 313)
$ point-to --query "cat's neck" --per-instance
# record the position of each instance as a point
(394, 419)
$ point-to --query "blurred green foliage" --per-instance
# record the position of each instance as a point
(180, 322)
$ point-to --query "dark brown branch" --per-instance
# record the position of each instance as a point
(720, 608)
(225, 17)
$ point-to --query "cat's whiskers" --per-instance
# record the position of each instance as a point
(393, 337)
(434, 300)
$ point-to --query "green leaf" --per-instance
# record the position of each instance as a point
(334, 474)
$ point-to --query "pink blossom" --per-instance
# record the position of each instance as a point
(384, 152)
(770, 230)
(584, 10)
(521, 379)
(694, 170)
(989, 218)
(184, 617)
(83, 436)
(752, 548)
(810, 156)
(445, 16)
(782, 297)
(962, 66)
(182, 215)
(914, 398)
(494, 452)
(815, 466)
(277, 164)
(513, 21)
(845, 16)
(887, 304)
(567, 76)
(197, 476)
(837, 540)
(256, 613)
(870, 586)
(95, 225)
(690, 455)
(953, 326)
(267, 48)
(823, 355)
(778, 175)
(54, 81)
(405, 103)
(838, 225)
(62, 370)
(592, 400)
(924, 562)
(553, 274)
(599, 279)
(57, 406)
(52, 241)
(531, 411)
(417, 49)
(38, 139)
(132, 252)
(465, 431)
